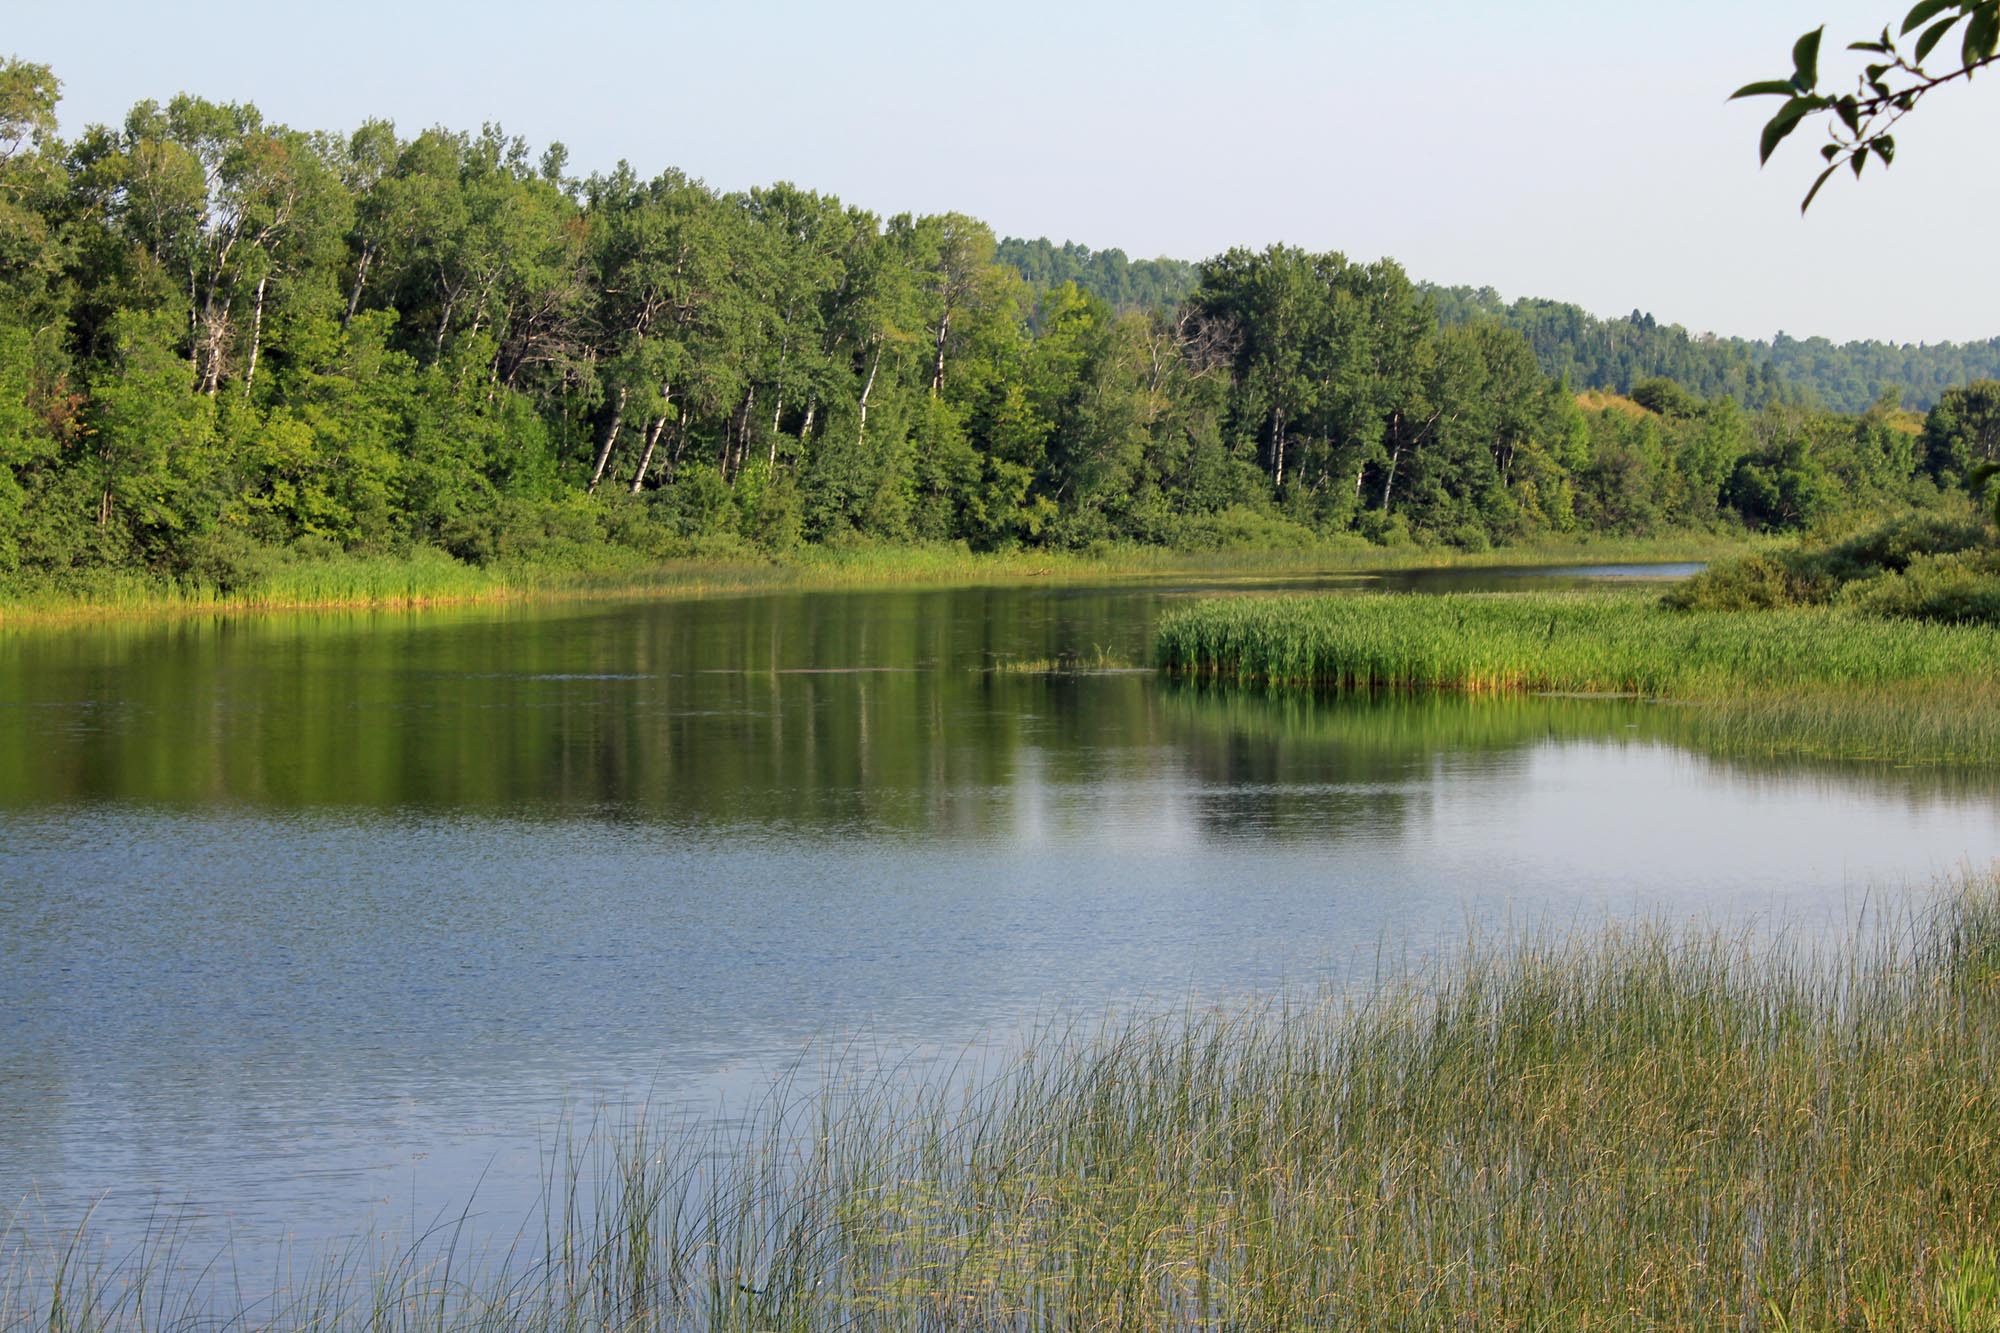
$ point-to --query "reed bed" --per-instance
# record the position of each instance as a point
(1617, 643)
(1641, 1129)
(1814, 681)
(420, 578)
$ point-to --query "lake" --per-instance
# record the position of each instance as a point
(318, 926)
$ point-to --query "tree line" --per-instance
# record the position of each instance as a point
(1594, 352)
(220, 335)
(1618, 353)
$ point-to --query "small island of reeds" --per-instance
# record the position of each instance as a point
(1826, 677)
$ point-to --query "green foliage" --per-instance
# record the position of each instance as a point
(1747, 583)
(1241, 529)
(1962, 431)
(1961, 589)
(1780, 489)
(1666, 398)
(1144, 285)
(218, 334)
(1921, 566)
(1892, 546)
(1892, 81)
(1621, 353)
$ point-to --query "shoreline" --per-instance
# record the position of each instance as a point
(430, 580)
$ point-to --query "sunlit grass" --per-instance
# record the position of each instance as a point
(1641, 1129)
(426, 577)
(1578, 642)
(1811, 681)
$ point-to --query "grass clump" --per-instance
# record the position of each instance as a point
(1644, 1129)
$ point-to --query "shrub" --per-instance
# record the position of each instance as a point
(228, 560)
(1956, 589)
(1894, 544)
(1751, 583)
(1816, 576)
(1239, 528)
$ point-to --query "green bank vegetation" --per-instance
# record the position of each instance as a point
(235, 354)
(289, 580)
(1643, 1129)
(1935, 567)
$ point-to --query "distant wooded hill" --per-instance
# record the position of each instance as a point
(1595, 353)
(1126, 284)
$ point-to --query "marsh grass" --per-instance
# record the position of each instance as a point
(425, 577)
(1814, 681)
(1610, 642)
(1640, 1129)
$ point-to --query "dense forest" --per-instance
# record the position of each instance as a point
(221, 336)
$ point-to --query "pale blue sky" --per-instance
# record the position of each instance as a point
(1577, 150)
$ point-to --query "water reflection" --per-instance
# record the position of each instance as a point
(319, 920)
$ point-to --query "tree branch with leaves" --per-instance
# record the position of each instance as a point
(1861, 124)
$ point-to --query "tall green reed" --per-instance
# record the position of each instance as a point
(1814, 682)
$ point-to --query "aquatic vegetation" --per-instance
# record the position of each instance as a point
(1934, 723)
(1809, 681)
(1098, 659)
(1583, 642)
(1644, 1128)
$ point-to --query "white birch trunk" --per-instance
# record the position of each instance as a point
(646, 459)
(610, 439)
(861, 432)
(256, 334)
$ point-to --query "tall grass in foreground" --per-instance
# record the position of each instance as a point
(1639, 1130)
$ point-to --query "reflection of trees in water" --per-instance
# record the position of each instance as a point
(836, 710)
(818, 709)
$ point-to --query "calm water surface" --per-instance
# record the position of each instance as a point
(312, 926)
